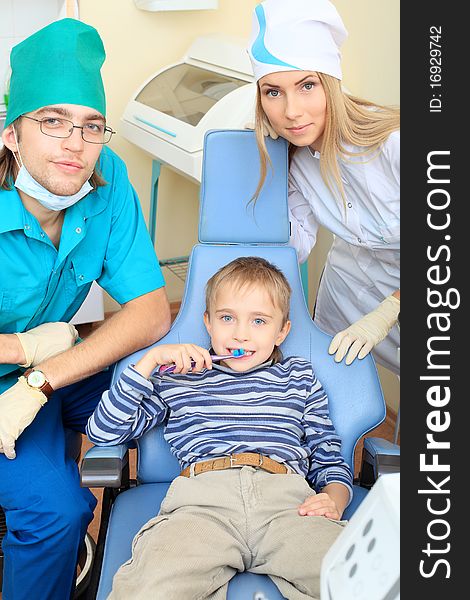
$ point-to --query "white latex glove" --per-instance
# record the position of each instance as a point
(46, 341)
(267, 129)
(360, 337)
(18, 407)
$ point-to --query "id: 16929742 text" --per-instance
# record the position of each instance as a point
(435, 68)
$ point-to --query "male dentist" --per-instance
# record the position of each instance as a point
(68, 216)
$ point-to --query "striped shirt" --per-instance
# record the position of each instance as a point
(279, 410)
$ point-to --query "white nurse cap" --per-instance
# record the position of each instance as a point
(303, 35)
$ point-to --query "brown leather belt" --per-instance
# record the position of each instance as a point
(248, 459)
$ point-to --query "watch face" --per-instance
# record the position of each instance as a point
(36, 379)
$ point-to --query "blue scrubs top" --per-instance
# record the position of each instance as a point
(104, 239)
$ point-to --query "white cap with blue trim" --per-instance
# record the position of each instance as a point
(303, 35)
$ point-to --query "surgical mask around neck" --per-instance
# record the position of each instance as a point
(27, 184)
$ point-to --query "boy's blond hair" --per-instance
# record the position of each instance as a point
(248, 271)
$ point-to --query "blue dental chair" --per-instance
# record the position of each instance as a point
(229, 227)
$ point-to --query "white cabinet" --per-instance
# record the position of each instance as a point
(92, 309)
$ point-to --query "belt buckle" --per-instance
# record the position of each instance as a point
(234, 463)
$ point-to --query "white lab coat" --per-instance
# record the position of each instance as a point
(363, 264)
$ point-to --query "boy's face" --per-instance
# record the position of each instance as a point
(245, 318)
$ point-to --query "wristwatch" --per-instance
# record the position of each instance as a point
(37, 380)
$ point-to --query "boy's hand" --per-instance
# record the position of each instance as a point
(320, 505)
(180, 355)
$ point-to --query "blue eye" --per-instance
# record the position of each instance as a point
(259, 321)
(51, 122)
(309, 85)
(272, 93)
(226, 318)
(94, 128)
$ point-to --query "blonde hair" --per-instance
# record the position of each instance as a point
(9, 168)
(251, 271)
(349, 120)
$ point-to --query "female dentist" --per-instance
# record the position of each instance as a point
(344, 172)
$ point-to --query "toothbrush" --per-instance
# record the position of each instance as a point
(238, 353)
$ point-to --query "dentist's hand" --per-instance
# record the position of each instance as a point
(18, 407)
(361, 337)
(267, 129)
(46, 341)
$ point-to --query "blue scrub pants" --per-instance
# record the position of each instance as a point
(47, 512)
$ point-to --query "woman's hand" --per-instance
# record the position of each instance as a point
(360, 337)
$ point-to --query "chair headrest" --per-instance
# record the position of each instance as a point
(230, 176)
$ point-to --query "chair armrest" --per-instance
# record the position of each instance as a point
(105, 467)
(379, 456)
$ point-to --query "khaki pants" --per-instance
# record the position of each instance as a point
(221, 522)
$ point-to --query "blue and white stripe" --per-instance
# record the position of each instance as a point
(279, 410)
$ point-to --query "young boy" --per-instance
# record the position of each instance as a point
(253, 437)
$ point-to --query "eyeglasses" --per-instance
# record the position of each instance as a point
(92, 133)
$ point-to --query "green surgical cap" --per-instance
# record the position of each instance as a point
(59, 64)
